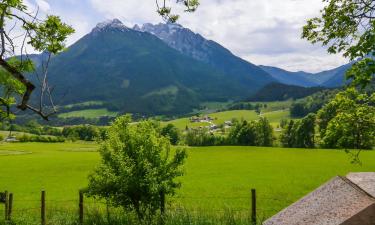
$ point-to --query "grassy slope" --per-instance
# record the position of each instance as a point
(88, 103)
(220, 117)
(88, 113)
(215, 178)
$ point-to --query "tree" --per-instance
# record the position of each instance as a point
(172, 132)
(288, 135)
(348, 121)
(46, 35)
(137, 166)
(166, 11)
(264, 132)
(299, 133)
(283, 123)
(305, 132)
(297, 109)
(348, 27)
(253, 133)
(247, 134)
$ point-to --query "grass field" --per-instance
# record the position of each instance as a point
(220, 117)
(215, 178)
(88, 113)
(88, 103)
(275, 106)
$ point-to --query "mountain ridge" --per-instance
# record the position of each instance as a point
(136, 72)
(149, 70)
(196, 46)
(329, 78)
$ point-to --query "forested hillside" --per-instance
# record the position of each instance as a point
(136, 72)
(281, 92)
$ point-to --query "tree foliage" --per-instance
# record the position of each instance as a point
(42, 34)
(82, 132)
(253, 133)
(311, 104)
(348, 121)
(172, 132)
(348, 27)
(299, 133)
(137, 165)
(166, 11)
(203, 137)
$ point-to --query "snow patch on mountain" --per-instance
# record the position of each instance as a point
(115, 25)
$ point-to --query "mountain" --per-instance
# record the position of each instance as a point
(329, 78)
(282, 92)
(289, 78)
(195, 46)
(338, 77)
(135, 71)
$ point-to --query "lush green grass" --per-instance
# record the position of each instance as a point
(219, 118)
(276, 116)
(88, 113)
(275, 106)
(88, 103)
(215, 177)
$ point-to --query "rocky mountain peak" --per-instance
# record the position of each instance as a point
(114, 25)
(180, 38)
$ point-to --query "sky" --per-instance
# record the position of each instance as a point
(264, 32)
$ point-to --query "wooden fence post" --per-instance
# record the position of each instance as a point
(162, 202)
(43, 208)
(6, 205)
(253, 207)
(80, 207)
(10, 206)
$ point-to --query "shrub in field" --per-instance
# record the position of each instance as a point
(202, 137)
(38, 138)
(81, 132)
(137, 167)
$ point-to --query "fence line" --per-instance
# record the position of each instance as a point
(11, 205)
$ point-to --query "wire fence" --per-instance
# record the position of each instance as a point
(265, 206)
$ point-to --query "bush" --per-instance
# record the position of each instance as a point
(81, 132)
(172, 132)
(202, 137)
(253, 133)
(37, 138)
(137, 167)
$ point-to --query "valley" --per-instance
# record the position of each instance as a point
(169, 70)
(206, 120)
(216, 178)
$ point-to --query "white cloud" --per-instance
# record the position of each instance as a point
(262, 31)
(129, 11)
(43, 5)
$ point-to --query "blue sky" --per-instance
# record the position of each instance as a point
(263, 32)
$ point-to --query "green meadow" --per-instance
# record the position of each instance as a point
(216, 178)
(220, 117)
(88, 113)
